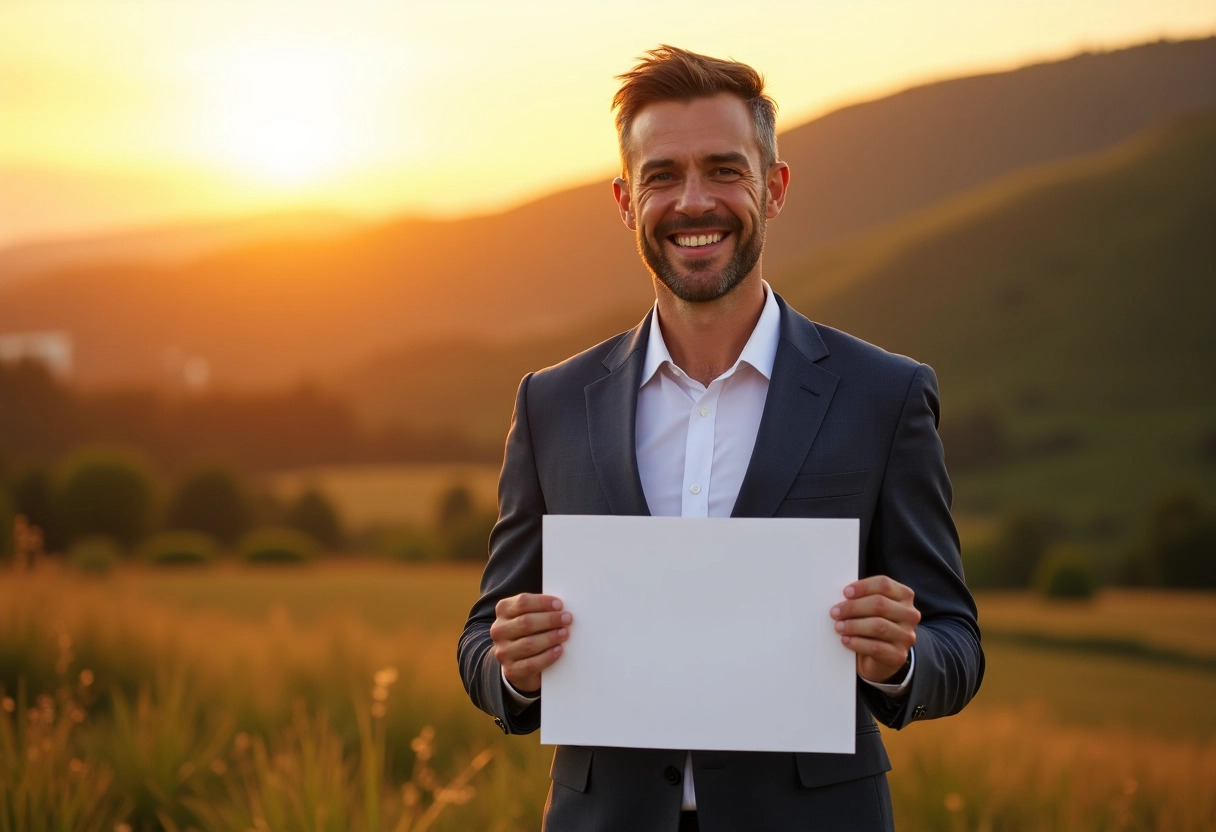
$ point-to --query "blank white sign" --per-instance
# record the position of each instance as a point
(700, 633)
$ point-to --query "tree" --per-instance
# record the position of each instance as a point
(314, 515)
(1181, 540)
(211, 500)
(106, 492)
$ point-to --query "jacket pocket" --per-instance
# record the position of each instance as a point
(825, 769)
(571, 767)
(818, 486)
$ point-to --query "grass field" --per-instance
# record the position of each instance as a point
(231, 698)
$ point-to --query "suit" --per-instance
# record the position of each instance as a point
(847, 430)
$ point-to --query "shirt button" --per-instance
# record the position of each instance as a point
(704, 411)
(672, 775)
(676, 371)
(695, 489)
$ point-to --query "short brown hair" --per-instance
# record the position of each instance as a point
(672, 74)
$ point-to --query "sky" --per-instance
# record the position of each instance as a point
(119, 113)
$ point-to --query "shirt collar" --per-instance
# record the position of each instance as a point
(759, 352)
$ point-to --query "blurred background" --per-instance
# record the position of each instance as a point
(270, 274)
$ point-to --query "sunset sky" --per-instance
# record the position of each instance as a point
(116, 112)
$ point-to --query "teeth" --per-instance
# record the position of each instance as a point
(692, 241)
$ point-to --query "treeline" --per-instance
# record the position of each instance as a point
(1175, 548)
(101, 505)
(41, 419)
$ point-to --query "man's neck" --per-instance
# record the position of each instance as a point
(706, 339)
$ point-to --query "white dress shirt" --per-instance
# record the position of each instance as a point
(694, 442)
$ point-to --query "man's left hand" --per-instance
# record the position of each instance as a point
(877, 621)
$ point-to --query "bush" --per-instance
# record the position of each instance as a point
(314, 515)
(211, 500)
(1181, 542)
(975, 440)
(1065, 573)
(1009, 560)
(8, 519)
(109, 493)
(94, 555)
(409, 544)
(467, 539)
(179, 548)
(277, 544)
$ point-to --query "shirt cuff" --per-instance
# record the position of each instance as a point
(523, 700)
(894, 691)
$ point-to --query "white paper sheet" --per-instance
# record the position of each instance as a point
(700, 633)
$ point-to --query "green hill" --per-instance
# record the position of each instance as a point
(1071, 304)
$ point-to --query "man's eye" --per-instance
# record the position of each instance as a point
(659, 177)
(726, 172)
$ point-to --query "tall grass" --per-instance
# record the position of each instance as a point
(121, 710)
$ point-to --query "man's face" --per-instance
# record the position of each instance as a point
(697, 196)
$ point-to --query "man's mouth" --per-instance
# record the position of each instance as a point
(697, 240)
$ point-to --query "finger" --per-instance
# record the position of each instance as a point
(509, 629)
(879, 652)
(879, 585)
(877, 606)
(878, 629)
(525, 648)
(525, 674)
(524, 603)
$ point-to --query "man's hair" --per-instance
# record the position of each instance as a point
(672, 74)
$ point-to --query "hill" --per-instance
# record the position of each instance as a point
(1070, 303)
(270, 311)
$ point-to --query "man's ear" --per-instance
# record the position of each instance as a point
(778, 183)
(620, 192)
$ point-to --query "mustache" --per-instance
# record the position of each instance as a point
(681, 224)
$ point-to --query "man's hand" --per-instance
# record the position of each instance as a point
(878, 623)
(528, 632)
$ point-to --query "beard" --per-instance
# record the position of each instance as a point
(698, 283)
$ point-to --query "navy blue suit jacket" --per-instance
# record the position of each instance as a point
(848, 430)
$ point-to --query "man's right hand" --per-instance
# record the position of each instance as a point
(528, 632)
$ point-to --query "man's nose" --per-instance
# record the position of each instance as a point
(695, 197)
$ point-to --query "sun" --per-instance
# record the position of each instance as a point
(284, 110)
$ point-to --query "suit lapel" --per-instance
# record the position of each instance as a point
(799, 394)
(611, 414)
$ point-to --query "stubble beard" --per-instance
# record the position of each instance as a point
(685, 285)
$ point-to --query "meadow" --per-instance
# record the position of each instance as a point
(327, 698)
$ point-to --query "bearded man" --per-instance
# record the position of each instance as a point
(724, 401)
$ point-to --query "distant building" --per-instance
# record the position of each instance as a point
(53, 349)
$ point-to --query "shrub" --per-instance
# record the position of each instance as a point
(975, 440)
(467, 539)
(314, 515)
(211, 500)
(1181, 542)
(1009, 560)
(277, 544)
(410, 544)
(1065, 573)
(33, 493)
(106, 492)
(179, 548)
(94, 555)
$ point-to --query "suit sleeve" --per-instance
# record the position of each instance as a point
(915, 542)
(514, 567)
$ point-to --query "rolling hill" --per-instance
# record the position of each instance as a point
(267, 312)
(1072, 302)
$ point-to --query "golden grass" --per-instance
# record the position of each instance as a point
(245, 699)
(1173, 620)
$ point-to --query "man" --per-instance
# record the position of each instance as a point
(725, 401)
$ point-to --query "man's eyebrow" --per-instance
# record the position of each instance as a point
(727, 158)
(655, 164)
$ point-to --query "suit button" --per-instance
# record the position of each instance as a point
(672, 775)
(501, 725)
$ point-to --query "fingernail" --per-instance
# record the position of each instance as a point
(835, 612)
(849, 592)
(840, 626)
(566, 618)
(557, 605)
(561, 633)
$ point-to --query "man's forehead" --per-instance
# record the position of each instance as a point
(701, 127)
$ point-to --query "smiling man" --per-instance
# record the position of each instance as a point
(724, 401)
